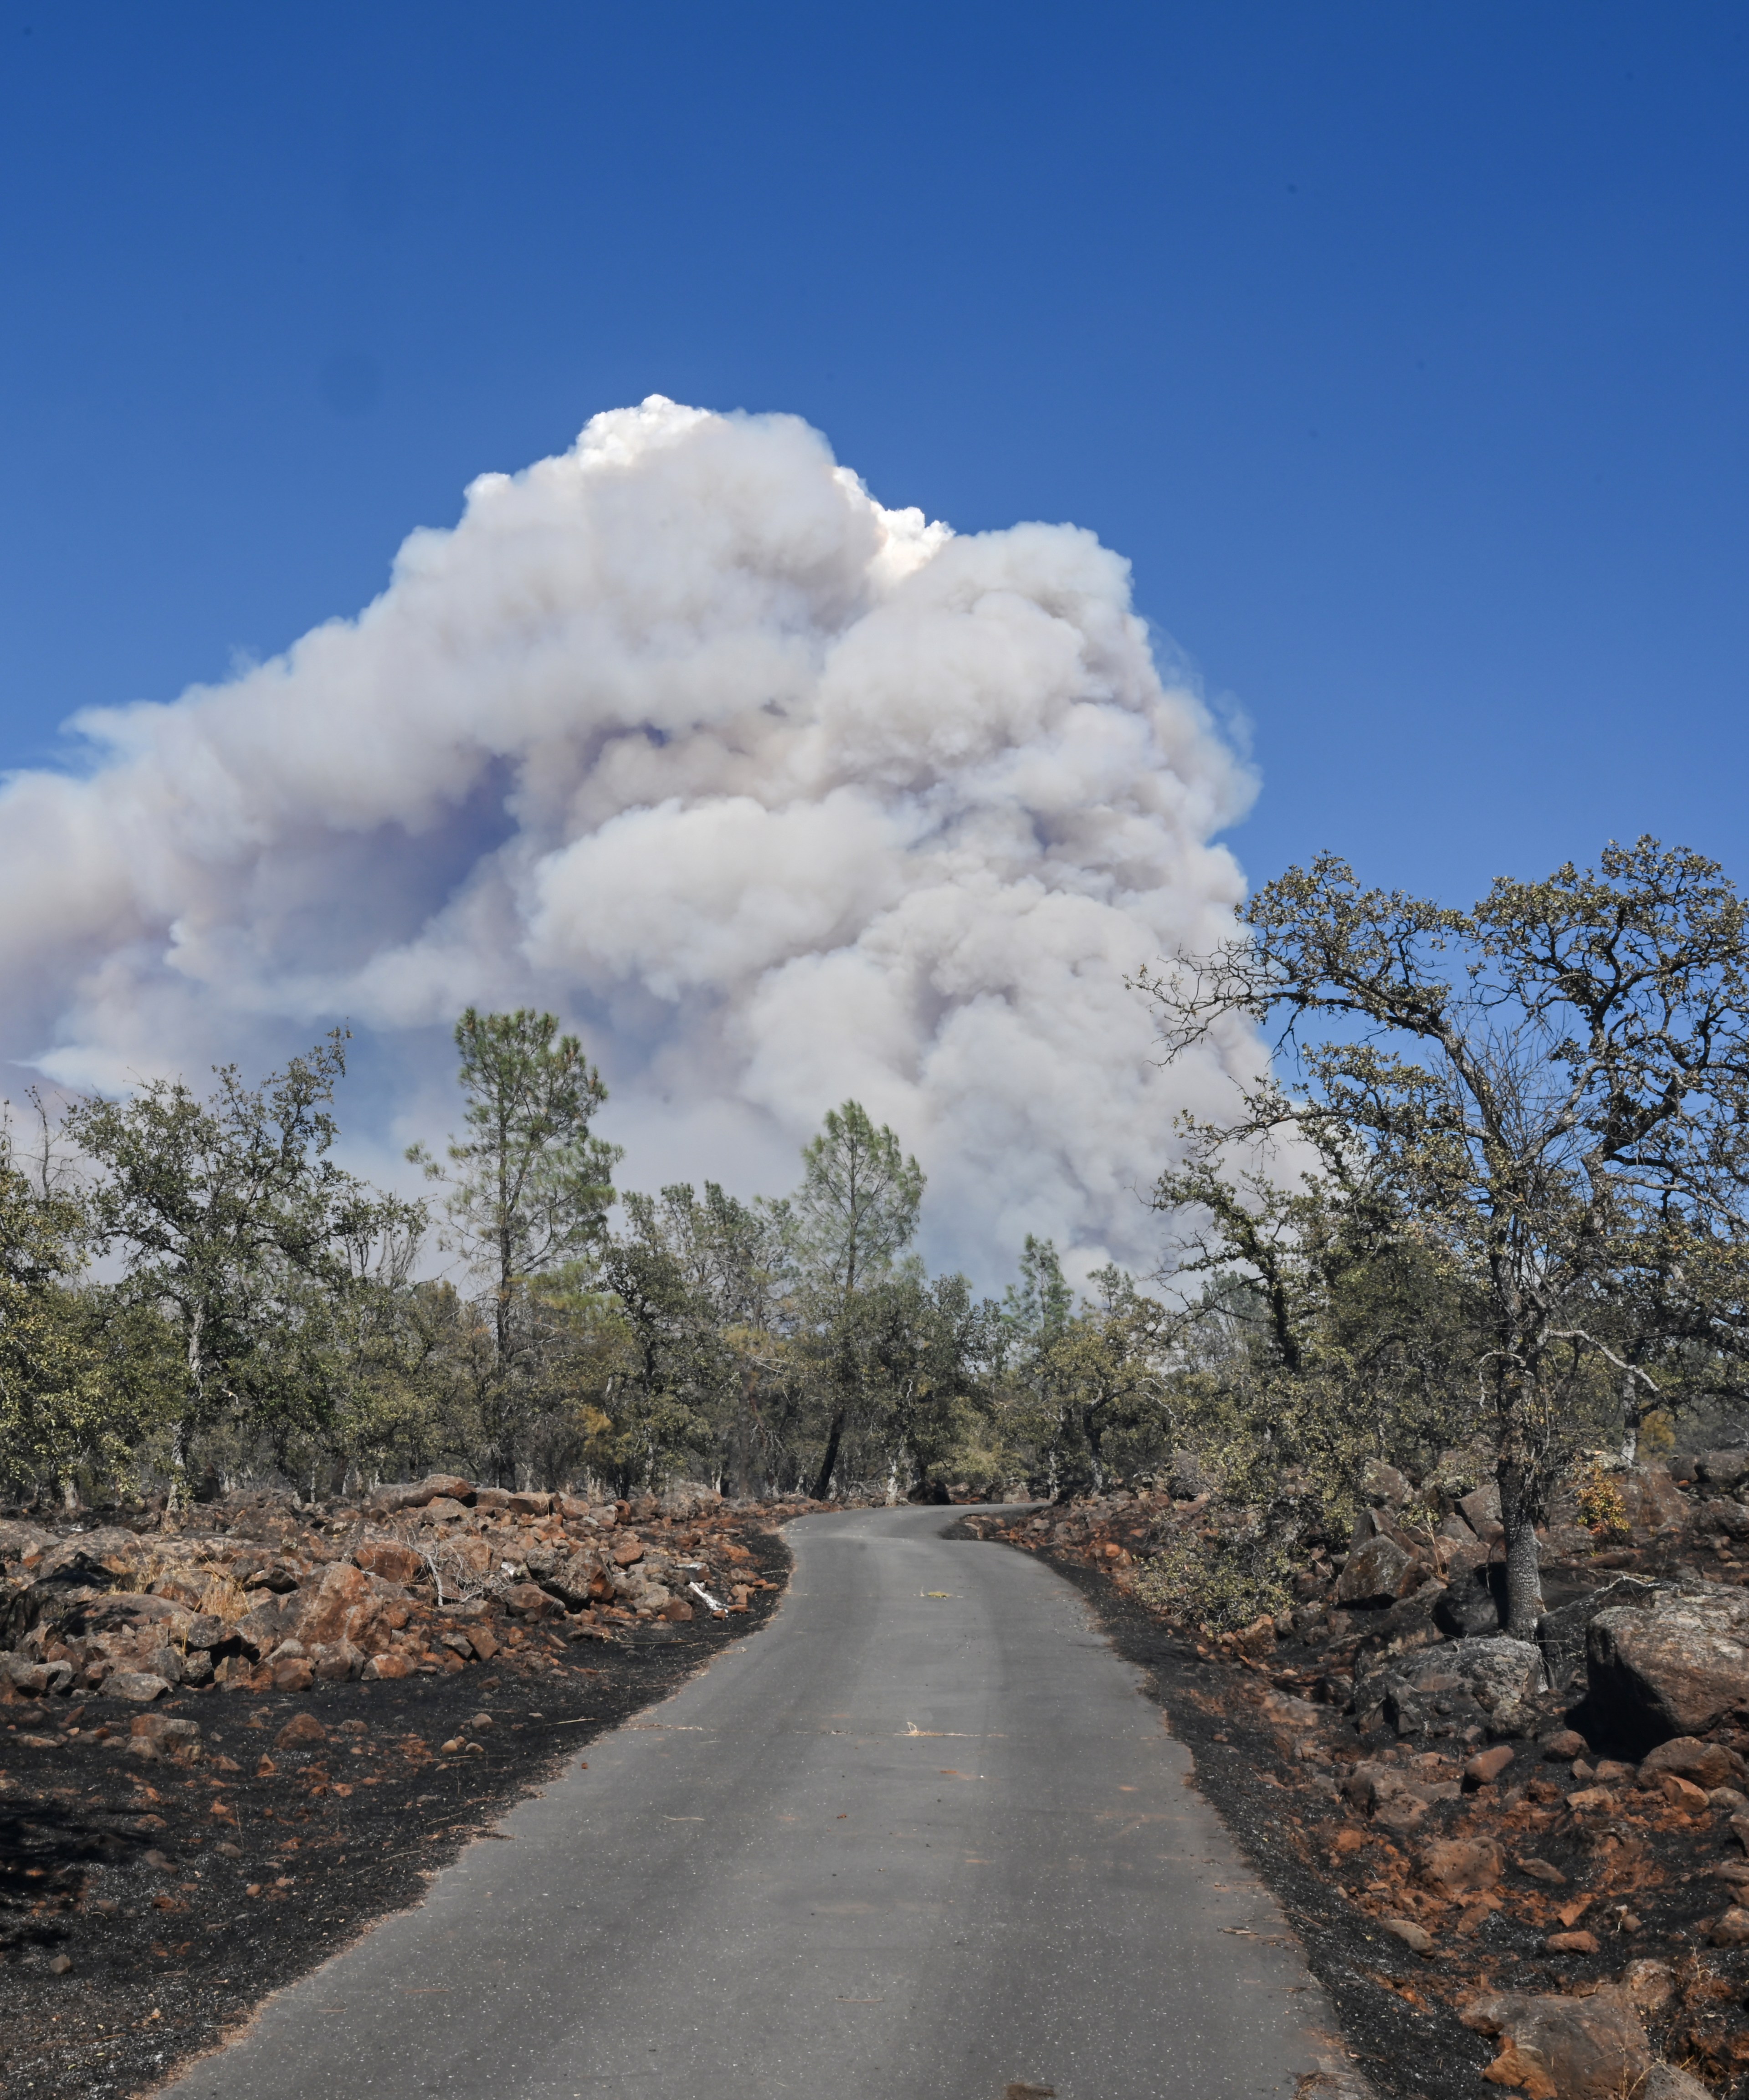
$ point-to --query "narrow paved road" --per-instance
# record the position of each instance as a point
(921, 1840)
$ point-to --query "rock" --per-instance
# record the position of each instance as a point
(1473, 1603)
(628, 1549)
(1649, 1984)
(450, 1486)
(1676, 1665)
(1416, 1937)
(205, 1632)
(32, 1678)
(528, 1505)
(1720, 1518)
(1707, 1765)
(1560, 1633)
(60, 1964)
(1377, 1573)
(293, 1675)
(388, 1665)
(1571, 1943)
(1564, 1745)
(138, 1684)
(1487, 1766)
(1665, 2082)
(441, 1509)
(166, 1728)
(529, 1600)
(1732, 1930)
(390, 1559)
(300, 1733)
(480, 1723)
(1482, 1507)
(1383, 1483)
(1723, 1470)
(335, 1662)
(1728, 1801)
(1186, 1481)
(1457, 1864)
(1500, 1678)
(1540, 1870)
(1653, 1500)
(1563, 2048)
(1591, 1801)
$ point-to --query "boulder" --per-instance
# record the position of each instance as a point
(302, 1733)
(1720, 1517)
(1704, 1765)
(1497, 1679)
(1560, 1633)
(1724, 1471)
(1377, 1573)
(390, 1558)
(1563, 2048)
(1653, 1500)
(450, 1486)
(1473, 1603)
(140, 1684)
(1663, 2081)
(1676, 1664)
(1383, 1483)
(1482, 1507)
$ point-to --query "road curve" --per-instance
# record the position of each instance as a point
(921, 1840)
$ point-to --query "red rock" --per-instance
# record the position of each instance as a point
(293, 1674)
(1458, 1865)
(1682, 1793)
(628, 1549)
(388, 1665)
(1708, 1765)
(1564, 1745)
(1540, 1870)
(300, 1733)
(1571, 1943)
(1415, 1937)
(1563, 2049)
(1732, 1930)
(1487, 1766)
(390, 1559)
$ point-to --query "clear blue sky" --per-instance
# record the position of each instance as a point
(1402, 348)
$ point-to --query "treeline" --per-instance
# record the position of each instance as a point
(194, 1296)
(1495, 1211)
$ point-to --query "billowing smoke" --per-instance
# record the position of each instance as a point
(777, 795)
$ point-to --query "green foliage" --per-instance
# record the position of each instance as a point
(1548, 1095)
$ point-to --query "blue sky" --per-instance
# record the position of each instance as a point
(1402, 349)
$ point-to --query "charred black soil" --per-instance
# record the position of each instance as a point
(148, 1907)
(1334, 1873)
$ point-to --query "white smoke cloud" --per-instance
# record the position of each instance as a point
(778, 796)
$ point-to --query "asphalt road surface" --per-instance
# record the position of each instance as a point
(922, 1839)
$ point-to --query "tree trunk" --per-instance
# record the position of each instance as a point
(828, 1463)
(1524, 1578)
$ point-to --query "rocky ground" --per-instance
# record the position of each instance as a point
(1495, 1879)
(198, 1803)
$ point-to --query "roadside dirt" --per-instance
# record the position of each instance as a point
(148, 1906)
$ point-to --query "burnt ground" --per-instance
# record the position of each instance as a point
(181, 1893)
(1334, 1873)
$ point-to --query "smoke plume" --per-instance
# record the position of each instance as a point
(776, 794)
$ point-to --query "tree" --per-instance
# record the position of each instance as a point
(55, 1412)
(232, 1219)
(856, 1210)
(1537, 1082)
(528, 1190)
